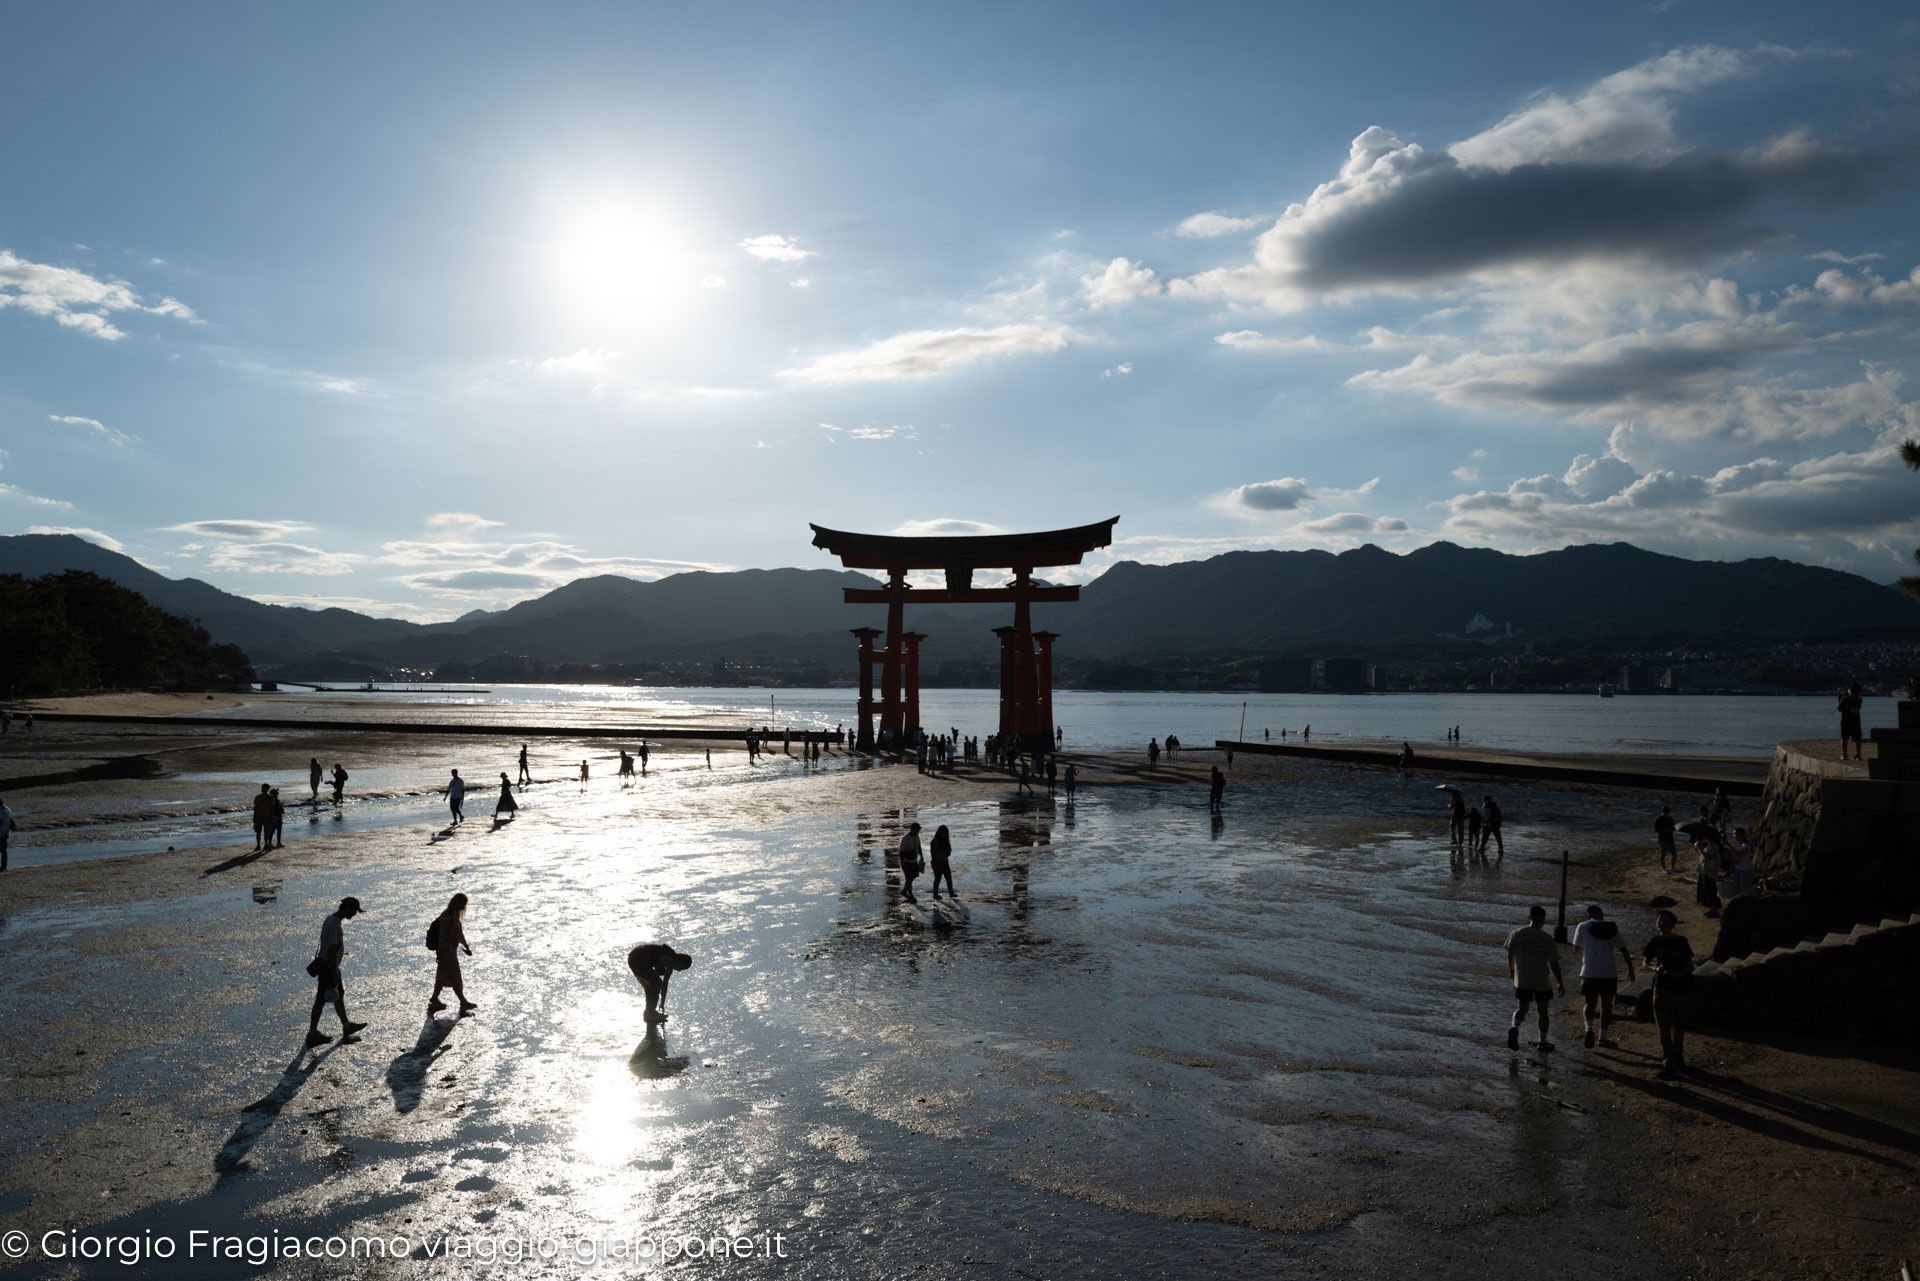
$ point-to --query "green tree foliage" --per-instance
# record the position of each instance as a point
(80, 631)
(1910, 455)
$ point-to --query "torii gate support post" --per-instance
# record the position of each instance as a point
(890, 708)
(910, 656)
(1009, 683)
(1043, 684)
(863, 737)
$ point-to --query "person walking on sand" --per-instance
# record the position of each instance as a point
(1216, 789)
(1850, 703)
(276, 820)
(940, 854)
(325, 968)
(654, 964)
(262, 816)
(1026, 777)
(1490, 820)
(506, 804)
(6, 831)
(1532, 961)
(909, 861)
(583, 773)
(1598, 939)
(1670, 957)
(457, 797)
(447, 936)
(339, 783)
(1663, 832)
(526, 774)
(1072, 778)
(1473, 829)
(314, 774)
(1153, 752)
(1456, 816)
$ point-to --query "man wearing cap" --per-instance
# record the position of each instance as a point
(325, 968)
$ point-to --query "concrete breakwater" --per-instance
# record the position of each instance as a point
(1601, 770)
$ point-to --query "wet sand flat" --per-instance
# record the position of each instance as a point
(1144, 1040)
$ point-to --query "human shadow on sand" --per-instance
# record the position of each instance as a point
(256, 1118)
(238, 860)
(407, 1074)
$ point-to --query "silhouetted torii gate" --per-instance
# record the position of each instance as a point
(1026, 656)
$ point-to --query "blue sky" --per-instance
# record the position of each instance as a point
(427, 308)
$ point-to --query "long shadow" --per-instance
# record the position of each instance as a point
(1781, 1129)
(238, 860)
(407, 1074)
(256, 1118)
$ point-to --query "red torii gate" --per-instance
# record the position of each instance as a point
(1026, 656)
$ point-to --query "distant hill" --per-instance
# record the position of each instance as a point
(265, 632)
(1249, 602)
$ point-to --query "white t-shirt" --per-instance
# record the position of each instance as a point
(332, 936)
(1596, 954)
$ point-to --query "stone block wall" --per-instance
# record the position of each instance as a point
(1857, 982)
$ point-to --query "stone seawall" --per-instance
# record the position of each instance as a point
(1853, 841)
(1856, 982)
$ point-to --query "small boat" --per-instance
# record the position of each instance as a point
(1605, 691)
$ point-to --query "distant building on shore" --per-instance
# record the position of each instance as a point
(1285, 675)
(1346, 675)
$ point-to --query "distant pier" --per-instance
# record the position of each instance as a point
(1675, 774)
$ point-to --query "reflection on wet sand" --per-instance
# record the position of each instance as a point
(650, 1061)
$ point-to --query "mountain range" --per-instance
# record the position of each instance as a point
(1253, 602)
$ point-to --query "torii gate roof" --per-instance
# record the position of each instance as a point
(971, 551)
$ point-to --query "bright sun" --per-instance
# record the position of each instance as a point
(621, 259)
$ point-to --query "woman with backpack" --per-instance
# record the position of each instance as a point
(446, 937)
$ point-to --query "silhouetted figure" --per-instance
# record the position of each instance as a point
(276, 820)
(447, 936)
(940, 853)
(1850, 704)
(1216, 788)
(909, 861)
(325, 968)
(1670, 957)
(654, 964)
(1457, 816)
(1073, 777)
(506, 804)
(645, 754)
(526, 774)
(457, 797)
(1025, 781)
(1406, 753)
(1307, 733)
(314, 774)
(339, 782)
(262, 815)
(1473, 830)
(1533, 958)
(1663, 833)
(583, 773)
(709, 758)
(1722, 809)
(1053, 774)
(1153, 752)
(6, 832)
(1490, 823)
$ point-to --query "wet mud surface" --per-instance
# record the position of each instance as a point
(1144, 1039)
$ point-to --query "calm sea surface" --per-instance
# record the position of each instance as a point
(1687, 725)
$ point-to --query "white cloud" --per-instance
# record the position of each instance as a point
(1120, 370)
(20, 495)
(1254, 340)
(1212, 225)
(923, 353)
(1836, 288)
(775, 248)
(1122, 281)
(1834, 255)
(1466, 475)
(75, 298)
(882, 433)
(239, 530)
(1283, 495)
(802, 283)
(281, 558)
(93, 425)
(945, 526)
(1349, 524)
(107, 541)
(714, 282)
(501, 573)
(461, 525)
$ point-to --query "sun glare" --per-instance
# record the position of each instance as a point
(622, 259)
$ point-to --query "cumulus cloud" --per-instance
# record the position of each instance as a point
(240, 530)
(1594, 178)
(775, 248)
(1834, 255)
(1212, 225)
(107, 541)
(1829, 508)
(923, 353)
(1347, 524)
(1283, 495)
(713, 282)
(1254, 340)
(1122, 281)
(75, 298)
(280, 558)
(1836, 288)
(93, 425)
(1120, 370)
